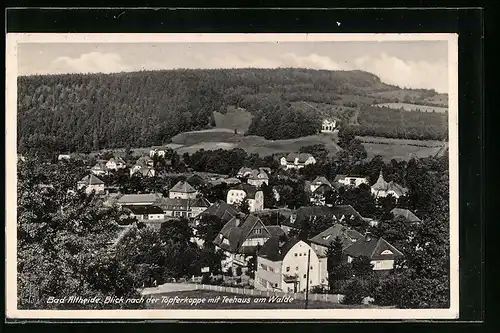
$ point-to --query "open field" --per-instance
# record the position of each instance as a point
(252, 302)
(400, 149)
(214, 139)
(412, 107)
(234, 118)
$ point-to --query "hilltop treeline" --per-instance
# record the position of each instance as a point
(83, 112)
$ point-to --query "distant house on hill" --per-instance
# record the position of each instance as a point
(351, 180)
(383, 189)
(378, 250)
(328, 125)
(91, 184)
(182, 190)
(239, 239)
(297, 161)
(318, 182)
(143, 170)
(284, 265)
(255, 177)
(62, 157)
(239, 193)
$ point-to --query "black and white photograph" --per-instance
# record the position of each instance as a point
(184, 176)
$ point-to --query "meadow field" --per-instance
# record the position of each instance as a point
(412, 107)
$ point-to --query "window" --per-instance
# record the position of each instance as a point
(300, 254)
(327, 236)
(257, 231)
(352, 181)
(296, 268)
(295, 254)
(305, 275)
(177, 214)
(275, 285)
(288, 268)
(145, 217)
(311, 268)
(387, 252)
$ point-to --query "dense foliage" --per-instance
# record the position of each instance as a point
(80, 112)
(63, 241)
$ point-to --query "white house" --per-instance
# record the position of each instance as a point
(240, 239)
(242, 192)
(148, 213)
(142, 169)
(379, 251)
(283, 265)
(383, 189)
(91, 184)
(99, 169)
(328, 126)
(115, 164)
(257, 178)
(182, 190)
(297, 161)
(351, 180)
(157, 151)
(63, 157)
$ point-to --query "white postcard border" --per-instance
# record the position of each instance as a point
(323, 314)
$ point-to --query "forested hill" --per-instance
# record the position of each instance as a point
(83, 112)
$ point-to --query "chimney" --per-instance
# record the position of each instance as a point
(368, 236)
(238, 221)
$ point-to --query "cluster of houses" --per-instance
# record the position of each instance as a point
(283, 262)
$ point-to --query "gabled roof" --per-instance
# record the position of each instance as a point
(398, 189)
(169, 204)
(406, 214)
(138, 198)
(144, 170)
(372, 248)
(257, 174)
(91, 180)
(322, 189)
(247, 188)
(200, 202)
(99, 166)
(380, 184)
(274, 250)
(348, 236)
(237, 232)
(244, 170)
(315, 211)
(322, 180)
(222, 210)
(142, 210)
(183, 187)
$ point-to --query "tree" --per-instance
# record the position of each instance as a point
(269, 199)
(208, 228)
(362, 266)
(335, 269)
(245, 206)
(63, 241)
(354, 293)
(177, 231)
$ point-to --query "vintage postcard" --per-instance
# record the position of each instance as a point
(232, 176)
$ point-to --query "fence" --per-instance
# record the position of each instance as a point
(334, 298)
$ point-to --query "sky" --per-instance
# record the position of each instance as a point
(408, 64)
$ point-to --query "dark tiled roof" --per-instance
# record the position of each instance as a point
(237, 231)
(372, 248)
(274, 250)
(406, 214)
(142, 210)
(91, 180)
(222, 210)
(183, 187)
(348, 236)
(181, 204)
